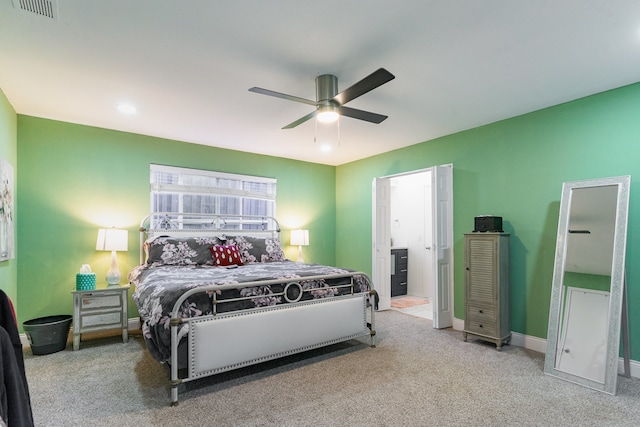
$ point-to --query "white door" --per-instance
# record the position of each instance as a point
(381, 269)
(428, 276)
(442, 193)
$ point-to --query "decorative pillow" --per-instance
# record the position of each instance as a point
(225, 255)
(181, 250)
(256, 249)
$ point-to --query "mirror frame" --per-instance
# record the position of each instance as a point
(616, 289)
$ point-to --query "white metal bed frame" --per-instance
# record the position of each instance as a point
(225, 341)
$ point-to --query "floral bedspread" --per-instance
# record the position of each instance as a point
(157, 288)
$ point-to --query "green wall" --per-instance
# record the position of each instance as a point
(8, 152)
(515, 169)
(74, 179)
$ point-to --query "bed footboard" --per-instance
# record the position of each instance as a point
(223, 342)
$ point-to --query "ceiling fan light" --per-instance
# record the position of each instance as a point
(327, 114)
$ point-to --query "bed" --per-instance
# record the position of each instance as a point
(216, 293)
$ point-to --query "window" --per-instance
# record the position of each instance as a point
(175, 189)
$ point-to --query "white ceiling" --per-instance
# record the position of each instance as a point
(187, 65)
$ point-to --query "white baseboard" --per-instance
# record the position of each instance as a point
(458, 324)
(529, 342)
(634, 368)
(134, 324)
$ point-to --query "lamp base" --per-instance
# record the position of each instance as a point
(113, 279)
(113, 275)
(300, 259)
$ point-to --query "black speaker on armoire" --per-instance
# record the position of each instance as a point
(488, 223)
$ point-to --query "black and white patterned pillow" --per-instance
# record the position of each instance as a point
(181, 251)
(256, 249)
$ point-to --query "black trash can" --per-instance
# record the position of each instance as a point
(48, 334)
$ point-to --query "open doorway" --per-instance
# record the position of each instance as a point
(412, 218)
(411, 236)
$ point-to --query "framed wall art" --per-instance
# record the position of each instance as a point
(7, 191)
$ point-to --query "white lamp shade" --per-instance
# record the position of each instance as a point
(112, 239)
(299, 237)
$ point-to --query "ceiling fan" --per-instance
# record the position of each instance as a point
(330, 104)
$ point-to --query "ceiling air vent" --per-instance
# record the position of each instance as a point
(48, 8)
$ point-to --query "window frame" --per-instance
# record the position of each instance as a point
(238, 193)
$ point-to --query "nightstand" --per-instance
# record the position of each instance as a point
(99, 310)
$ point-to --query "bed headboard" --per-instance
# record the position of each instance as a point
(174, 224)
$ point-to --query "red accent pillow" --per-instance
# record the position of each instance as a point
(225, 255)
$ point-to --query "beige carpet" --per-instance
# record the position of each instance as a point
(416, 376)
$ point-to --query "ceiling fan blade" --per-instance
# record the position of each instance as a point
(362, 115)
(281, 95)
(301, 120)
(372, 81)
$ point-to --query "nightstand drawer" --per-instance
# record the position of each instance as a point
(88, 302)
(91, 320)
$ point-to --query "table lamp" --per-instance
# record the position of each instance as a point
(300, 238)
(112, 239)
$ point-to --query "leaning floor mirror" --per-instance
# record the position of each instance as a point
(583, 340)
